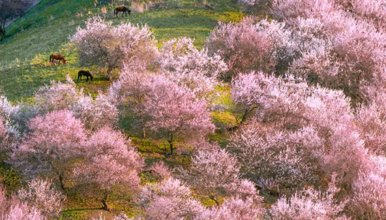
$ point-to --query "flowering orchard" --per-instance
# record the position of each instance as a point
(305, 91)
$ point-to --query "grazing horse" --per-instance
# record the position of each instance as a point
(59, 57)
(121, 9)
(84, 73)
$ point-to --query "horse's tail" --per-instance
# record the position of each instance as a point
(115, 11)
(50, 57)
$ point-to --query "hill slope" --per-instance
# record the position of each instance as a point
(46, 27)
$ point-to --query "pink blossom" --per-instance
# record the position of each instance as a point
(242, 47)
(52, 142)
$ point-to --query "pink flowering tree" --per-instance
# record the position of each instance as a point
(215, 173)
(7, 141)
(357, 46)
(12, 208)
(184, 64)
(110, 47)
(337, 44)
(248, 92)
(289, 105)
(42, 194)
(368, 200)
(335, 49)
(373, 11)
(372, 122)
(8, 112)
(50, 145)
(311, 204)
(3, 130)
(170, 199)
(130, 94)
(96, 113)
(175, 112)
(109, 160)
(162, 106)
(284, 48)
(10, 133)
(274, 100)
(235, 208)
(256, 7)
(290, 10)
(278, 162)
(57, 96)
(161, 170)
(242, 47)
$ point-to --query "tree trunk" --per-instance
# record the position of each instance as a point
(171, 143)
(143, 127)
(212, 198)
(2, 31)
(243, 119)
(104, 201)
(247, 111)
(61, 181)
(2, 34)
(59, 173)
(109, 73)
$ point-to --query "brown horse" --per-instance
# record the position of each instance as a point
(59, 57)
(121, 9)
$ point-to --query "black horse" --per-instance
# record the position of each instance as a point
(85, 73)
(121, 9)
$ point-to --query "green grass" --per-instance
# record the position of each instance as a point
(46, 28)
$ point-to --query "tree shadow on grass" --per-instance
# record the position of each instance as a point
(81, 209)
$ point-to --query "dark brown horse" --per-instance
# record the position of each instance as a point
(121, 9)
(59, 57)
(84, 73)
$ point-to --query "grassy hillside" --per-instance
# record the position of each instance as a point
(46, 27)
